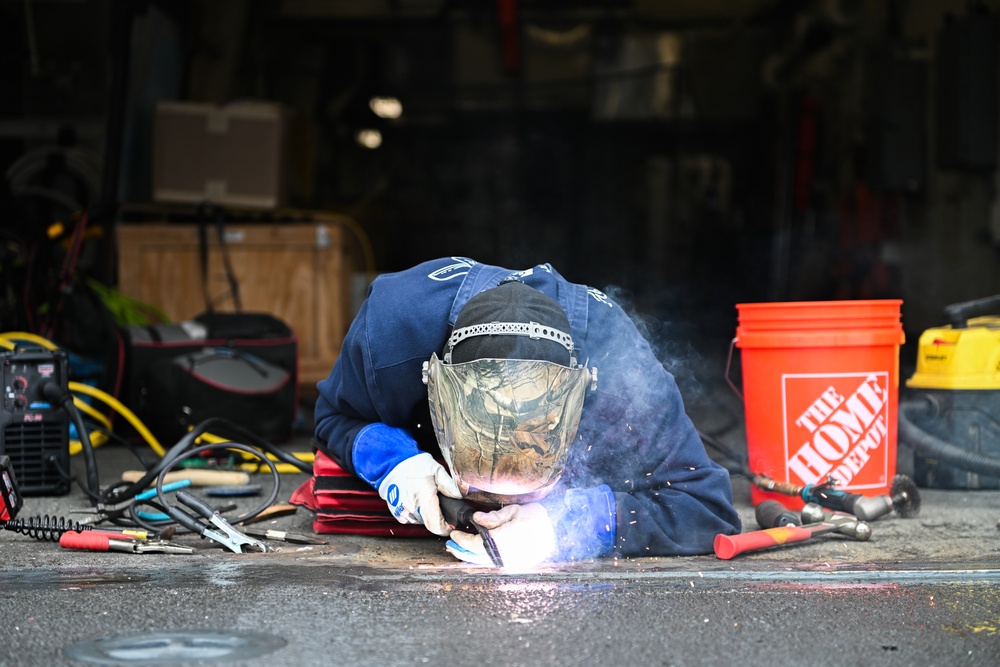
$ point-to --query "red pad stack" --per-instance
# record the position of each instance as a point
(344, 504)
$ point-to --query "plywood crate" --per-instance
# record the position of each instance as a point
(300, 273)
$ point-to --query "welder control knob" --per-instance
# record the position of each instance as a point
(20, 402)
(19, 384)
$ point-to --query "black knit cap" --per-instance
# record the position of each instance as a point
(511, 302)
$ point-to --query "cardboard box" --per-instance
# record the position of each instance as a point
(234, 155)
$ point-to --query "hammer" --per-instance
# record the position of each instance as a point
(728, 546)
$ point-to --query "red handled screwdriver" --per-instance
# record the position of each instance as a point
(96, 541)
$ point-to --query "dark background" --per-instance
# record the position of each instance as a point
(684, 155)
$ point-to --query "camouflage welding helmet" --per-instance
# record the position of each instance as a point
(506, 408)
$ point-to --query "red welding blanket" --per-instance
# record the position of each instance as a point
(344, 504)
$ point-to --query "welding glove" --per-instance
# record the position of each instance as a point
(523, 534)
(411, 492)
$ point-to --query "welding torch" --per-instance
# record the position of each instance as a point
(903, 497)
(458, 513)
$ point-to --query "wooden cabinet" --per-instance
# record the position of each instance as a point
(298, 272)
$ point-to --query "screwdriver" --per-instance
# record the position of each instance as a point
(97, 541)
(282, 536)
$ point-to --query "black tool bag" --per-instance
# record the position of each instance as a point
(237, 366)
(218, 382)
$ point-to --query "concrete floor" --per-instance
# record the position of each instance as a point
(922, 591)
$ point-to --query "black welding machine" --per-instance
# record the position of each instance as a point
(34, 432)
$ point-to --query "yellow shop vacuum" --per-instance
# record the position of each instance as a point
(950, 412)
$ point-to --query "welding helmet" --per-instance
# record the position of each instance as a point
(507, 396)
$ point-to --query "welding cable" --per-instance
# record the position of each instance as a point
(96, 440)
(55, 394)
(121, 409)
(189, 443)
(87, 408)
(173, 512)
(213, 426)
(306, 457)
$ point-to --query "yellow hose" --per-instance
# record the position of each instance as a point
(120, 408)
(96, 440)
(249, 466)
(83, 406)
(30, 337)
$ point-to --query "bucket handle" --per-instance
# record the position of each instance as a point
(729, 362)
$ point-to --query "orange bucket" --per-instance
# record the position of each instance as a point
(820, 393)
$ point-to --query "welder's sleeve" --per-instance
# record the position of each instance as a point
(583, 521)
(348, 422)
(670, 498)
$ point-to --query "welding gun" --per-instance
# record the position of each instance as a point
(458, 513)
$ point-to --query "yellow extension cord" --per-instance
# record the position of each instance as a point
(7, 340)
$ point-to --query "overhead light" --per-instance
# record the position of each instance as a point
(369, 138)
(386, 107)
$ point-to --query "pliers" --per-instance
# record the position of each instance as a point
(226, 535)
(105, 511)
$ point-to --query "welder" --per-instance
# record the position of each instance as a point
(549, 408)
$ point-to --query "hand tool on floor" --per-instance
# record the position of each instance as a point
(98, 541)
(197, 477)
(458, 513)
(51, 528)
(224, 533)
(729, 546)
(160, 516)
(282, 536)
(904, 497)
(772, 514)
(272, 512)
(104, 511)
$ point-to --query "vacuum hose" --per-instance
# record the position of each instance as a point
(934, 447)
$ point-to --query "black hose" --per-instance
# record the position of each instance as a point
(931, 446)
(62, 397)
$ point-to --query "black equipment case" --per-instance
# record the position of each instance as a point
(237, 366)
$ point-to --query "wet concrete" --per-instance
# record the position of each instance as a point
(328, 610)
(922, 591)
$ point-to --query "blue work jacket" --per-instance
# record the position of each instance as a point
(638, 481)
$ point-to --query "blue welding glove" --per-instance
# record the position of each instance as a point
(523, 534)
(411, 492)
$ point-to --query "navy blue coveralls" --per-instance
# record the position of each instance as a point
(638, 481)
